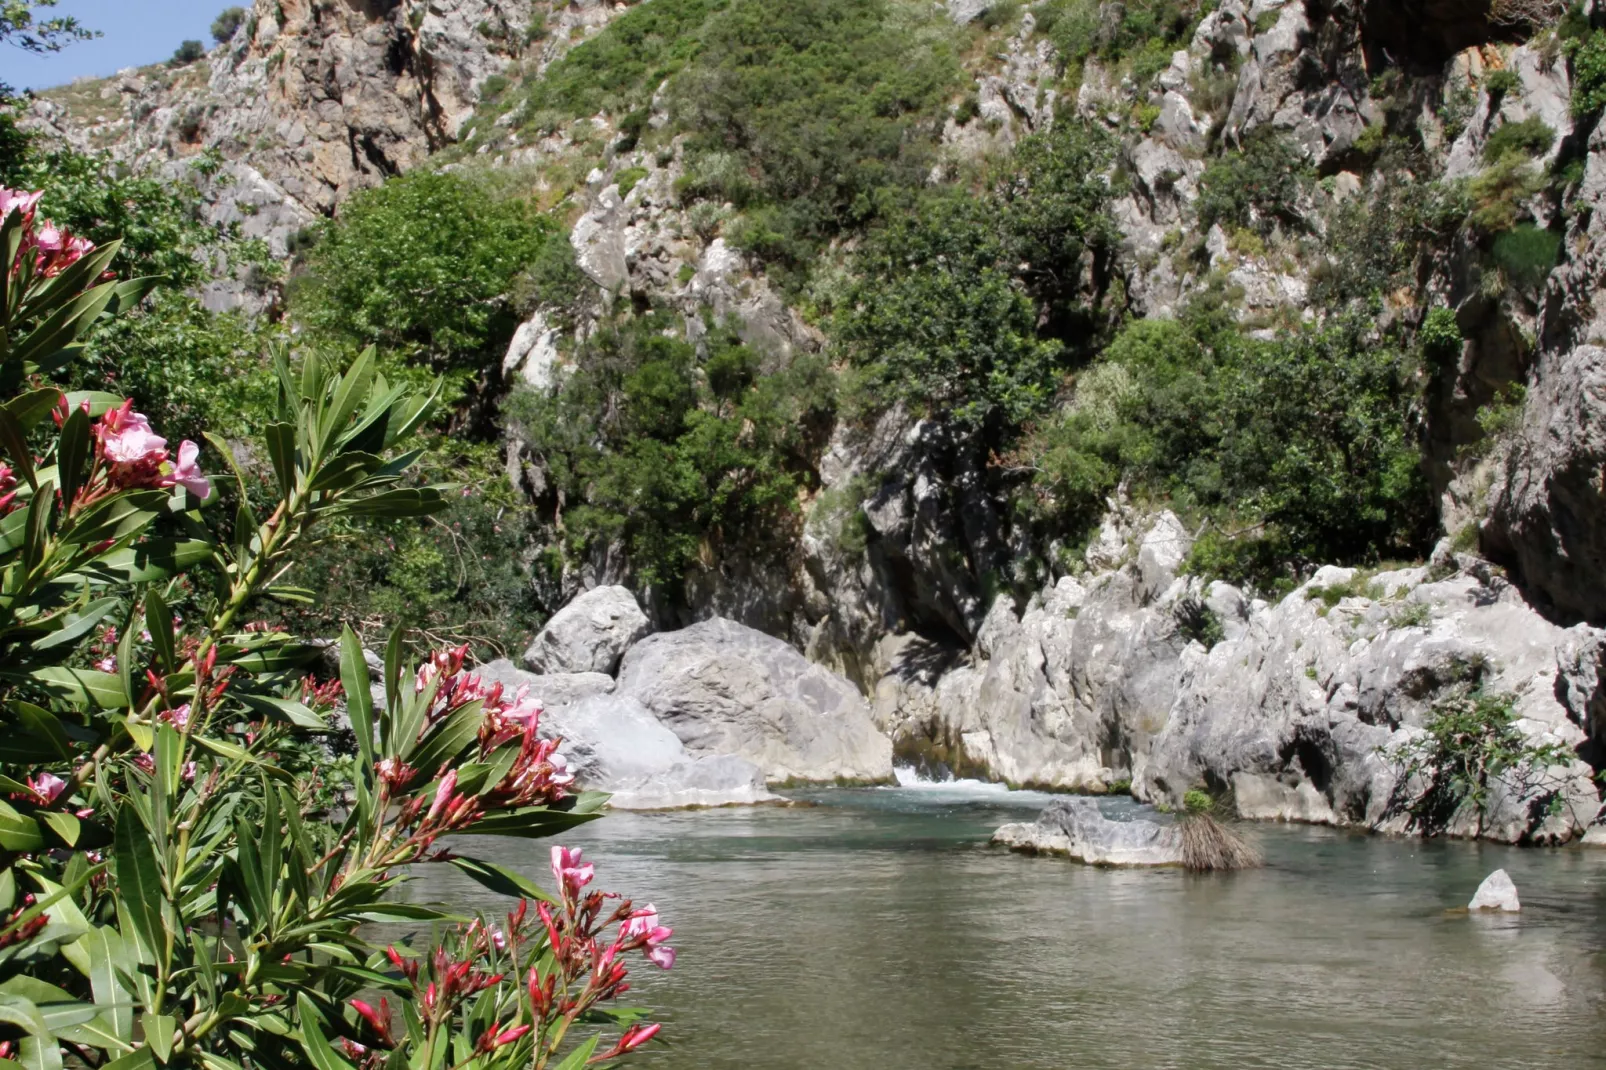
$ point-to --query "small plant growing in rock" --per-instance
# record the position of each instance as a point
(1471, 745)
(1197, 622)
(1412, 615)
(1209, 843)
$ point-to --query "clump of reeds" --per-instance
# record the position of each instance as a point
(1209, 846)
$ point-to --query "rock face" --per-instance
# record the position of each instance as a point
(1295, 705)
(723, 688)
(1079, 829)
(1496, 893)
(590, 634)
(615, 744)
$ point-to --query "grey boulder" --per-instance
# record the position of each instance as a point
(590, 634)
(1079, 829)
(1497, 892)
(724, 688)
(614, 744)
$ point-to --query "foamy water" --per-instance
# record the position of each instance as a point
(910, 779)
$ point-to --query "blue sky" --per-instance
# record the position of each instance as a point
(136, 32)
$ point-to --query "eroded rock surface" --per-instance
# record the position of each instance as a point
(1078, 828)
(723, 688)
(590, 634)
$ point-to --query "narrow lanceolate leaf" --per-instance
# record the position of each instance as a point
(72, 455)
(320, 1053)
(14, 443)
(77, 625)
(18, 832)
(100, 689)
(139, 882)
(282, 452)
(580, 1056)
(106, 956)
(500, 879)
(284, 709)
(159, 622)
(159, 1034)
(359, 700)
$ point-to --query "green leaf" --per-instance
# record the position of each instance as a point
(139, 882)
(77, 625)
(532, 823)
(73, 452)
(159, 622)
(499, 879)
(152, 561)
(349, 395)
(283, 709)
(19, 832)
(43, 728)
(313, 1041)
(105, 957)
(402, 502)
(34, 406)
(282, 452)
(14, 441)
(138, 1059)
(65, 826)
(581, 1055)
(80, 686)
(359, 699)
(159, 1034)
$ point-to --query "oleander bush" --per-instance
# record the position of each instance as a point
(178, 886)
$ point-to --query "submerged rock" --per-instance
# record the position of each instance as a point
(1497, 892)
(1077, 828)
(590, 634)
(723, 688)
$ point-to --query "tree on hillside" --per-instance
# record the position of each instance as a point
(19, 29)
(186, 53)
(226, 23)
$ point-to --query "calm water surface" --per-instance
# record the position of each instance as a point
(875, 930)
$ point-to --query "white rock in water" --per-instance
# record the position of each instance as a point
(590, 634)
(1496, 893)
(1078, 828)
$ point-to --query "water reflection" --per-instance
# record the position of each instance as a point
(874, 929)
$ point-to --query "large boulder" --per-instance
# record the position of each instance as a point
(615, 744)
(1078, 828)
(590, 634)
(723, 688)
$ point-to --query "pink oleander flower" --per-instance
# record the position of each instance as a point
(132, 452)
(106, 665)
(378, 1019)
(187, 474)
(16, 200)
(570, 873)
(46, 787)
(178, 716)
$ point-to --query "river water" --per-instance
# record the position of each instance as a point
(874, 929)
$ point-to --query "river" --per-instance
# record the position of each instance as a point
(874, 929)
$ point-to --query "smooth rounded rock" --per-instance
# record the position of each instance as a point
(590, 634)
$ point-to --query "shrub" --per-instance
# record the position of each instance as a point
(1529, 138)
(1526, 255)
(824, 103)
(1472, 743)
(1440, 336)
(1499, 193)
(1588, 54)
(673, 454)
(1303, 443)
(1198, 623)
(1258, 186)
(422, 266)
(228, 21)
(1500, 82)
(628, 178)
(186, 53)
(945, 314)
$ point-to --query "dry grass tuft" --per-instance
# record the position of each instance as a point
(1208, 846)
